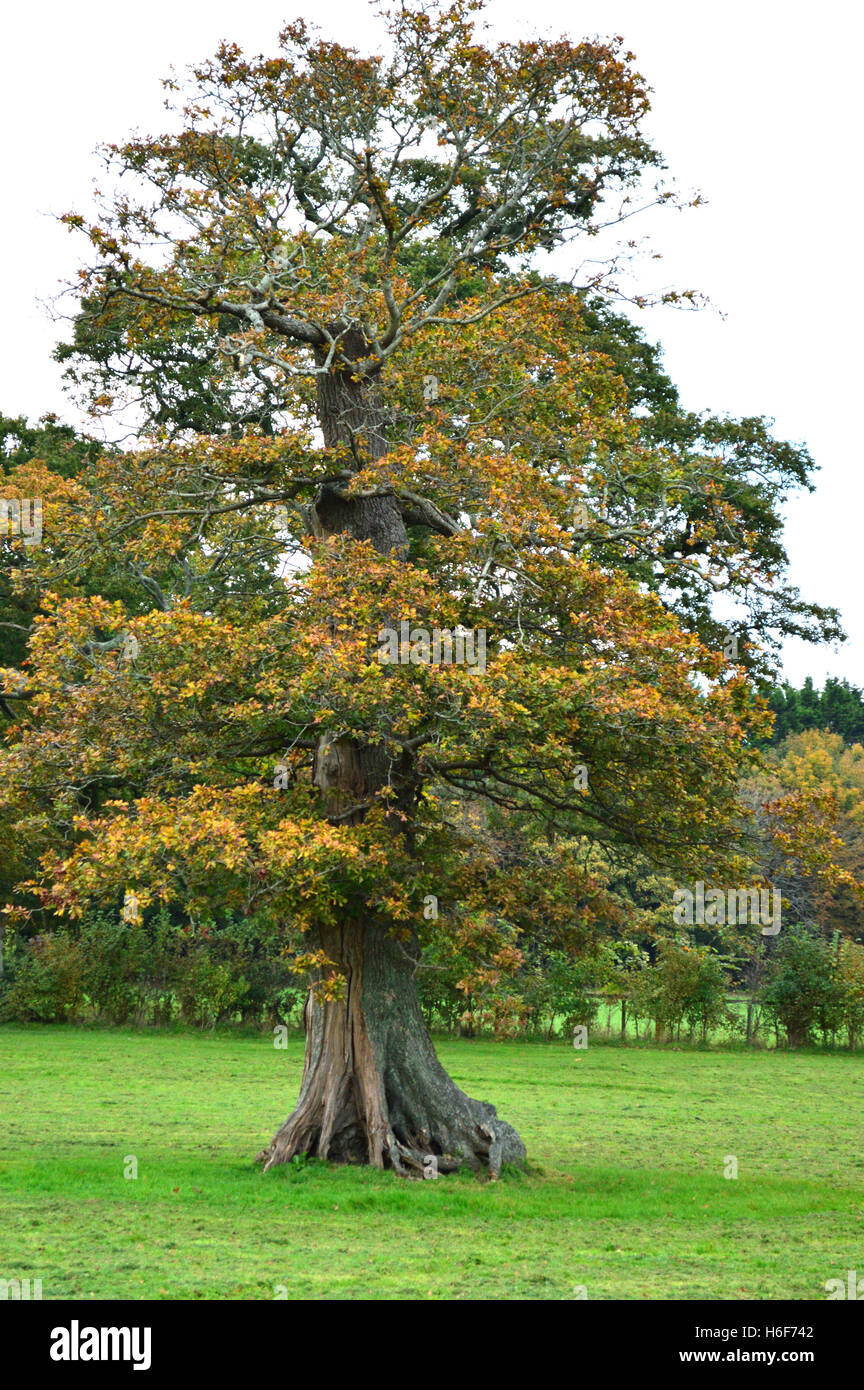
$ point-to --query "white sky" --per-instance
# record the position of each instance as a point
(756, 104)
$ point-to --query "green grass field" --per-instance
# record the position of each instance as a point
(625, 1194)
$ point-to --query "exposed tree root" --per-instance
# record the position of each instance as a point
(373, 1090)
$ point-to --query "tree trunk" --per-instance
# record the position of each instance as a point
(373, 1090)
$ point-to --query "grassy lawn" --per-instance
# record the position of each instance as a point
(625, 1194)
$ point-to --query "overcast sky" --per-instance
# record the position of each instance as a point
(757, 105)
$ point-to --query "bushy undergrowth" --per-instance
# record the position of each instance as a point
(156, 972)
(161, 971)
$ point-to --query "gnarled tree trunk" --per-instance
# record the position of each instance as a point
(373, 1090)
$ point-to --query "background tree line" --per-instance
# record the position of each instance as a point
(838, 707)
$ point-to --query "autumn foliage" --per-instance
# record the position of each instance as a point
(369, 397)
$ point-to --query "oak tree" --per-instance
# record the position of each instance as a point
(381, 273)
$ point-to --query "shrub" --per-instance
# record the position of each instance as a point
(115, 956)
(850, 978)
(802, 993)
(47, 983)
(209, 991)
(687, 984)
(556, 990)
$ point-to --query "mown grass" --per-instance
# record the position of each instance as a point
(625, 1194)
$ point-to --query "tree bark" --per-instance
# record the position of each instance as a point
(373, 1090)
